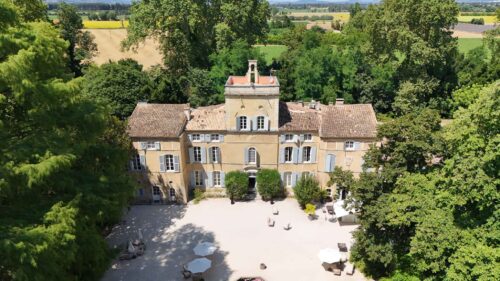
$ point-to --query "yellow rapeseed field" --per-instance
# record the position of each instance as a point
(487, 19)
(110, 24)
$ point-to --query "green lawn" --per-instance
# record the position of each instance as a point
(467, 44)
(271, 51)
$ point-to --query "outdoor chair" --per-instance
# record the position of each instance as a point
(337, 271)
(329, 208)
(287, 227)
(275, 211)
(270, 222)
(349, 269)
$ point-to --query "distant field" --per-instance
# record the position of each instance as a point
(467, 44)
(487, 19)
(271, 51)
(111, 24)
(336, 16)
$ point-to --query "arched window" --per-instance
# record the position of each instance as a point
(252, 155)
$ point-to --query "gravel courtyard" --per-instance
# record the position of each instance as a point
(243, 238)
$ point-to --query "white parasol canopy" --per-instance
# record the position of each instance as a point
(199, 265)
(204, 249)
(139, 234)
(329, 255)
(338, 207)
(131, 249)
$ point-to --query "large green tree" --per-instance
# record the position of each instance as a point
(189, 31)
(31, 10)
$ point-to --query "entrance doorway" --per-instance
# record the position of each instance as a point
(252, 182)
(156, 194)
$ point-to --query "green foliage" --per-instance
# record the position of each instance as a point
(119, 84)
(194, 29)
(31, 10)
(199, 195)
(306, 190)
(310, 209)
(236, 184)
(341, 178)
(269, 183)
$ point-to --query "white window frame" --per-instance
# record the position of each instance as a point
(308, 137)
(349, 146)
(290, 160)
(261, 123)
(150, 145)
(214, 137)
(197, 154)
(214, 155)
(243, 120)
(136, 163)
(252, 153)
(170, 190)
(195, 137)
(169, 163)
(289, 137)
(306, 154)
(287, 177)
(198, 178)
(217, 178)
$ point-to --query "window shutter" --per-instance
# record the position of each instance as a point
(192, 180)
(301, 138)
(207, 138)
(328, 163)
(203, 155)
(191, 155)
(222, 179)
(295, 154)
(209, 153)
(295, 138)
(157, 145)
(301, 152)
(221, 138)
(313, 154)
(254, 123)
(142, 159)
(190, 137)
(238, 123)
(282, 155)
(202, 137)
(282, 138)
(219, 152)
(162, 163)
(294, 179)
(246, 155)
(282, 175)
(177, 167)
(210, 181)
(143, 145)
(357, 145)
(266, 123)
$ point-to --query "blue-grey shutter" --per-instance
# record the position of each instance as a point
(162, 163)
(282, 174)
(190, 137)
(357, 145)
(219, 155)
(202, 137)
(295, 138)
(254, 123)
(221, 138)
(209, 153)
(295, 155)
(246, 155)
(282, 155)
(238, 123)
(301, 137)
(328, 163)
(333, 163)
(142, 159)
(203, 155)
(207, 138)
(210, 179)
(143, 145)
(157, 145)
(222, 179)
(177, 167)
(294, 179)
(282, 138)
(301, 152)
(191, 155)
(192, 180)
(266, 123)
(313, 154)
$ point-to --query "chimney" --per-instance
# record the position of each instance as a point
(253, 73)
(187, 112)
(339, 101)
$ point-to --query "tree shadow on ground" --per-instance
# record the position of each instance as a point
(169, 247)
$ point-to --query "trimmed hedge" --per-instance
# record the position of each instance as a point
(269, 184)
(236, 184)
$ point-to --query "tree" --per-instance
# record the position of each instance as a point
(343, 179)
(194, 29)
(236, 185)
(31, 10)
(119, 84)
(269, 184)
(306, 190)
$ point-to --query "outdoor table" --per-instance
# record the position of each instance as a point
(342, 247)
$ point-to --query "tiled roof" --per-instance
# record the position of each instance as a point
(348, 121)
(208, 118)
(296, 117)
(157, 120)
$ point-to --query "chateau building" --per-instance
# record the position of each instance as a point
(180, 148)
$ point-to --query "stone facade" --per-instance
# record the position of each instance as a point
(180, 148)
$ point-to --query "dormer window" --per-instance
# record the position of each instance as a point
(349, 145)
(195, 137)
(288, 137)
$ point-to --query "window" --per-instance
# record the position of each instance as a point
(252, 155)
(306, 154)
(288, 154)
(306, 174)
(195, 137)
(260, 123)
(197, 154)
(349, 145)
(171, 192)
(169, 162)
(214, 137)
(243, 123)
(156, 191)
(198, 178)
(288, 179)
(214, 155)
(136, 163)
(308, 137)
(217, 179)
(288, 137)
(150, 145)
(343, 194)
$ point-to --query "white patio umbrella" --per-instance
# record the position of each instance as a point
(329, 255)
(338, 207)
(131, 249)
(204, 249)
(139, 234)
(199, 265)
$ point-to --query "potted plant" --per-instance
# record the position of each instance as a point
(311, 211)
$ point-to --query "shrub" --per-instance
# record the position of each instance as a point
(479, 21)
(198, 195)
(236, 184)
(269, 183)
(306, 190)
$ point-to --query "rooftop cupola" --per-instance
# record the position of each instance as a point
(253, 72)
